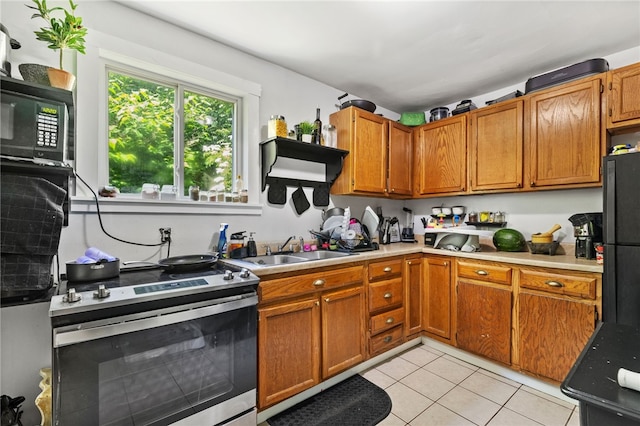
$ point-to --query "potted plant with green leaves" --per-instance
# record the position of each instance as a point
(61, 33)
(306, 129)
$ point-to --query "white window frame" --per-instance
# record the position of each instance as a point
(92, 145)
(180, 88)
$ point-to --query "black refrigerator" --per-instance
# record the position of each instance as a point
(621, 223)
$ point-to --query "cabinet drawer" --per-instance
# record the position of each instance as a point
(315, 281)
(384, 270)
(386, 320)
(570, 285)
(485, 272)
(385, 294)
(386, 340)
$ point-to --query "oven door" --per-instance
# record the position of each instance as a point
(156, 368)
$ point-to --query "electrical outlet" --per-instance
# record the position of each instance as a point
(165, 235)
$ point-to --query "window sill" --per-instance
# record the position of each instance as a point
(133, 205)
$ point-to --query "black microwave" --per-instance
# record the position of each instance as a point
(37, 121)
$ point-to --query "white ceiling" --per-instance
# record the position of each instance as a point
(412, 55)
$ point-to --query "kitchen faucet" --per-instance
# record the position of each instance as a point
(285, 243)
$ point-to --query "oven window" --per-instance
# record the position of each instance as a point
(159, 375)
(6, 118)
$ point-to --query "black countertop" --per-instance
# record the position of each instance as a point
(593, 378)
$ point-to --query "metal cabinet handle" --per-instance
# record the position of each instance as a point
(387, 269)
(390, 320)
(387, 295)
(554, 283)
(387, 339)
(481, 272)
(318, 282)
(327, 300)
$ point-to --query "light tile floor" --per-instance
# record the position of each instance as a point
(429, 387)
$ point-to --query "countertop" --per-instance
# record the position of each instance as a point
(489, 253)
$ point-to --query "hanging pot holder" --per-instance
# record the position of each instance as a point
(321, 195)
(300, 200)
(277, 193)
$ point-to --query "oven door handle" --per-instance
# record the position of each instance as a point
(69, 337)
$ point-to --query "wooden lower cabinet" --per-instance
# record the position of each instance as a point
(484, 309)
(343, 339)
(288, 350)
(307, 339)
(553, 332)
(413, 296)
(437, 296)
(484, 320)
(386, 309)
(557, 314)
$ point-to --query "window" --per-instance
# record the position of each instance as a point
(163, 131)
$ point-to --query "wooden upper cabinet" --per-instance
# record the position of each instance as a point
(365, 136)
(565, 135)
(440, 157)
(496, 143)
(623, 97)
(400, 159)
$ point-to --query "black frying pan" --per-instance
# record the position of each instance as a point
(192, 262)
(359, 103)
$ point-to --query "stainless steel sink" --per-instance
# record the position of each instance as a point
(284, 259)
(276, 259)
(322, 254)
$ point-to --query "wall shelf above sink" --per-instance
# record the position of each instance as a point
(273, 148)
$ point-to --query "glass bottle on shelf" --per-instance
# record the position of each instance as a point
(317, 129)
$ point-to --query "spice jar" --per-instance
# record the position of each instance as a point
(277, 127)
(194, 192)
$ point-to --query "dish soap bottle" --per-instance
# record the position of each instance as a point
(222, 241)
(252, 250)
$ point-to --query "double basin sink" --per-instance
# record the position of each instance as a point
(284, 259)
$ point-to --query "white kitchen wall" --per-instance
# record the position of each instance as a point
(25, 344)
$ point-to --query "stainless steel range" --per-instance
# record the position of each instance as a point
(156, 348)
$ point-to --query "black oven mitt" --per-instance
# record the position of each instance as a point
(321, 195)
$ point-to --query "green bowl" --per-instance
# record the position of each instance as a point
(412, 118)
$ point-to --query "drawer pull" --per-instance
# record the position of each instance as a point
(387, 269)
(554, 283)
(390, 320)
(318, 282)
(327, 300)
(387, 296)
(387, 339)
(481, 272)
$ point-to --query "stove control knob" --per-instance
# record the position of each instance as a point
(228, 275)
(102, 292)
(71, 296)
(244, 273)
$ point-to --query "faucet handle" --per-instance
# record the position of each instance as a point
(268, 249)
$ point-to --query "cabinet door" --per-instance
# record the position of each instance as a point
(368, 153)
(413, 295)
(624, 95)
(343, 330)
(484, 320)
(437, 296)
(288, 350)
(565, 135)
(553, 332)
(400, 159)
(496, 147)
(440, 161)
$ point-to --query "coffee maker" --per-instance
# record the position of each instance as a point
(587, 228)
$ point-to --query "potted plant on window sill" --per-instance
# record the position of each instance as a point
(61, 34)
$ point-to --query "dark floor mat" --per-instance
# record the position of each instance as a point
(354, 401)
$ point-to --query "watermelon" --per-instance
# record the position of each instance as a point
(507, 239)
